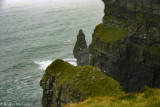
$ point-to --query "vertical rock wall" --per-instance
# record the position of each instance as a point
(132, 59)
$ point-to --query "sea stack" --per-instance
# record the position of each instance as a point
(81, 52)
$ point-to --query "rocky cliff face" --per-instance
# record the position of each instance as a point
(64, 83)
(81, 52)
(126, 46)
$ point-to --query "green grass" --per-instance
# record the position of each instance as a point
(90, 81)
(147, 98)
(110, 34)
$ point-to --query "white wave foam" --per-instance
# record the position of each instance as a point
(72, 61)
(27, 77)
(44, 64)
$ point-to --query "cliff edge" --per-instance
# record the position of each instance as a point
(146, 98)
(64, 83)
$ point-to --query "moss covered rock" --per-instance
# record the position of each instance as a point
(64, 83)
(108, 34)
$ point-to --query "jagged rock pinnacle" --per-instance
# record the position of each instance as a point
(80, 51)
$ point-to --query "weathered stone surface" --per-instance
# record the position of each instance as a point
(132, 59)
(149, 6)
(81, 52)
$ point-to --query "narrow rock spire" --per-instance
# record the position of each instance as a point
(80, 51)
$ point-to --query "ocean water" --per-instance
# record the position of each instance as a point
(34, 35)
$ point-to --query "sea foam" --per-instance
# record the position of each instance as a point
(72, 61)
(44, 64)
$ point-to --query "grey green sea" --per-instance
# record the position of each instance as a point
(34, 35)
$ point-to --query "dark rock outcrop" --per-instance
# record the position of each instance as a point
(81, 52)
(126, 46)
(64, 83)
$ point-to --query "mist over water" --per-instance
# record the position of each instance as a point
(35, 34)
(7, 3)
(1, 4)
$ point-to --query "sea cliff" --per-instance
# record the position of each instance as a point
(126, 46)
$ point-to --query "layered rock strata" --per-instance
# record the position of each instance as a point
(126, 46)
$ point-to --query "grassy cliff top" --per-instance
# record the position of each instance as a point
(110, 34)
(148, 98)
(88, 80)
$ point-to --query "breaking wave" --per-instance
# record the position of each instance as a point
(44, 64)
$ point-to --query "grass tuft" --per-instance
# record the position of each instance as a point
(110, 34)
(147, 98)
